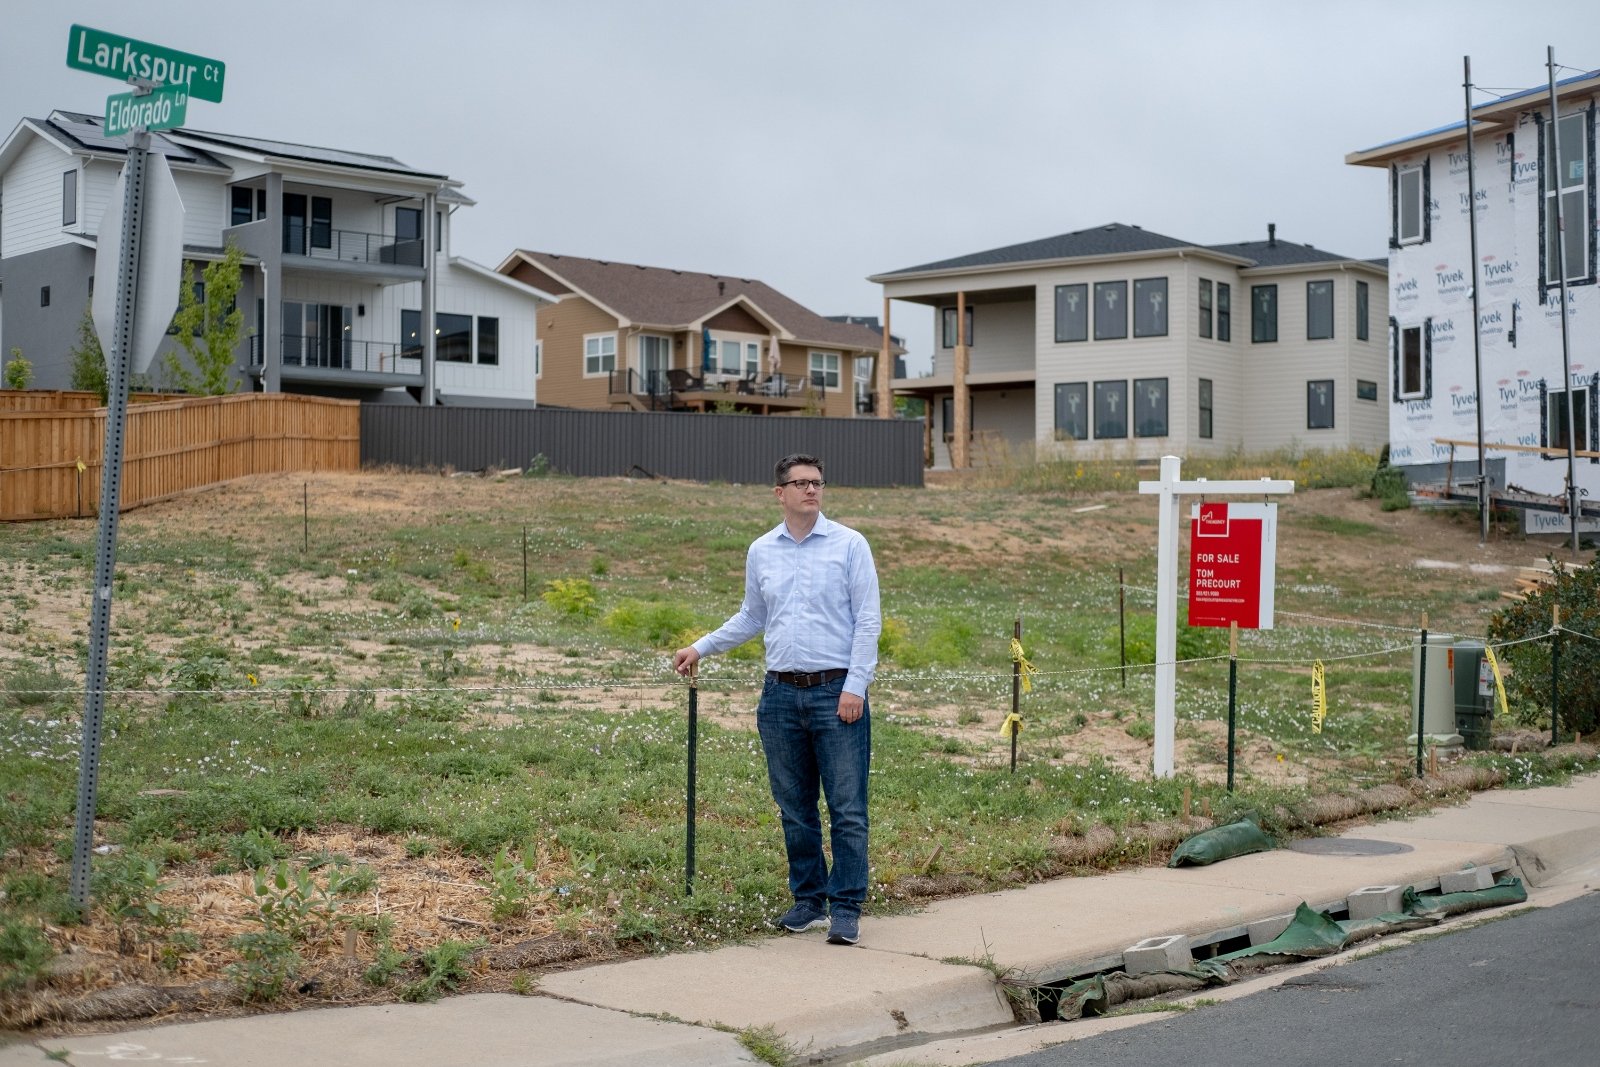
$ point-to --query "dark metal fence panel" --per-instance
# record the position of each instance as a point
(728, 448)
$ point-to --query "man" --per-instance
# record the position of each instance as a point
(811, 586)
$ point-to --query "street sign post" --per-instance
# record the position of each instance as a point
(160, 109)
(126, 59)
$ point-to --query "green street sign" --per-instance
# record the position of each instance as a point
(125, 59)
(159, 109)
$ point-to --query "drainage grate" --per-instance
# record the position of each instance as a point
(1347, 846)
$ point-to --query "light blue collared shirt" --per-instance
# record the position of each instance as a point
(816, 600)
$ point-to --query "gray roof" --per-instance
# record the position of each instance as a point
(1112, 239)
(84, 131)
(337, 157)
(1278, 253)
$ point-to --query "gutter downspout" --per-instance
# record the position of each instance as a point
(430, 331)
(1561, 256)
(1477, 321)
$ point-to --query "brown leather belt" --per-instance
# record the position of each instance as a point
(806, 681)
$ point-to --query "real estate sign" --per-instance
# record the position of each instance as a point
(1233, 552)
(126, 59)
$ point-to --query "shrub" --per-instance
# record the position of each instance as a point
(649, 622)
(19, 372)
(1577, 591)
(570, 596)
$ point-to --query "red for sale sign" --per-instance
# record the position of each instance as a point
(1233, 551)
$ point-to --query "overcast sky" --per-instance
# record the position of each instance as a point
(810, 144)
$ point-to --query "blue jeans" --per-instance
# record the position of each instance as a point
(807, 748)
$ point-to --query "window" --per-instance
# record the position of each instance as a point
(1224, 312)
(1319, 405)
(947, 317)
(1363, 311)
(408, 224)
(752, 359)
(1263, 313)
(1149, 407)
(411, 334)
(1205, 307)
(44, 296)
(488, 341)
(1555, 419)
(538, 359)
(69, 197)
(947, 408)
(732, 360)
(1150, 307)
(1072, 313)
(1205, 408)
(321, 222)
(1410, 222)
(599, 354)
(825, 369)
(1111, 409)
(1413, 362)
(1319, 311)
(1366, 390)
(242, 206)
(1072, 410)
(1110, 313)
(453, 338)
(1570, 181)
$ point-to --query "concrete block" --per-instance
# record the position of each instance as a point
(1264, 930)
(1170, 952)
(1468, 881)
(1374, 900)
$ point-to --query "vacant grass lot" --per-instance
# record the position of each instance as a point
(346, 746)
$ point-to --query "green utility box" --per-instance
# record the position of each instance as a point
(1474, 693)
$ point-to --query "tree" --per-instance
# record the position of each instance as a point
(209, 328)
(19, 372)
(1577, 591)
(88, 360)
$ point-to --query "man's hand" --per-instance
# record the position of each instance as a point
(850, 707)
(684, 659)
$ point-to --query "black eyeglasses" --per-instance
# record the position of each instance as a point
(805, 483)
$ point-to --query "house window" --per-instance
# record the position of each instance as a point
(1366, 390)
(1410, 208)
(1263, 313)
(1205, 408)
(1110, 312)
(825, 370)
(1111, 409)
(1150, 307)
(488, 341)
(947, 409)
(1571, 181)
(69, 197)
(1413, 362)
(947, 318)
(538, 359)
(752, 359)
(408, 224)
(1224, 312)
(44, 296)
(1149, 407)
(732, 360)
(321, 222)
(246, 205)
(453, 343)
(1319, 311)
(1319, 405)
(599, 354)
(411, 334)
(1555, 419)
(1205, 307)
(1072, 411)
(1072, 313)
(1363, 311)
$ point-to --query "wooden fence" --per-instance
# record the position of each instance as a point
(50, 457)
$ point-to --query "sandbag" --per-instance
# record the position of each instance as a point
(1220, 843)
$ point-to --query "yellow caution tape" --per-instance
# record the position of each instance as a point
(1319, 696)
(1023, 666)
(81, 467)
(1499, 683)
(1012, 725)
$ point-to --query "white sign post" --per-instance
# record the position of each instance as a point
(1170, 488)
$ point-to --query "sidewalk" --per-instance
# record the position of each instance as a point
(913, 981)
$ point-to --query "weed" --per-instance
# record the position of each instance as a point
(127, 886)
(523, 984)
(24, 950)
(513, 883)
(444, 967)
(767, 1045)
(418, 847)
(267, 964)
(570, 596)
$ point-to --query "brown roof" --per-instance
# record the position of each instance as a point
(674, 299)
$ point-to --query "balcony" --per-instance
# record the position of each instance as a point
(680, 390)
(374, 256)
(341, 361)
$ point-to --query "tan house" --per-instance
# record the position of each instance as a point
(623, 336)
(1117, 341)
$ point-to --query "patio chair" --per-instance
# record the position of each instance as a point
(683, 381)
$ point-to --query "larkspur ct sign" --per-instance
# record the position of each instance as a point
(126, 59)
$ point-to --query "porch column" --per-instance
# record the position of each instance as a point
(884, 371)
(430, 335)
(272, 290)
(959, 438)
(927, 432)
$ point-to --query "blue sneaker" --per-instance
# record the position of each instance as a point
(805, 915)
(845, 929)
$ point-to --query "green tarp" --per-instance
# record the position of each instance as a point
(1220, 843)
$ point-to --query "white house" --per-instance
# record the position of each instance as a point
(1116, 341)
(1432, 396)
(340, 270)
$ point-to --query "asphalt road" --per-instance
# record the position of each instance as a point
(1525, 989)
